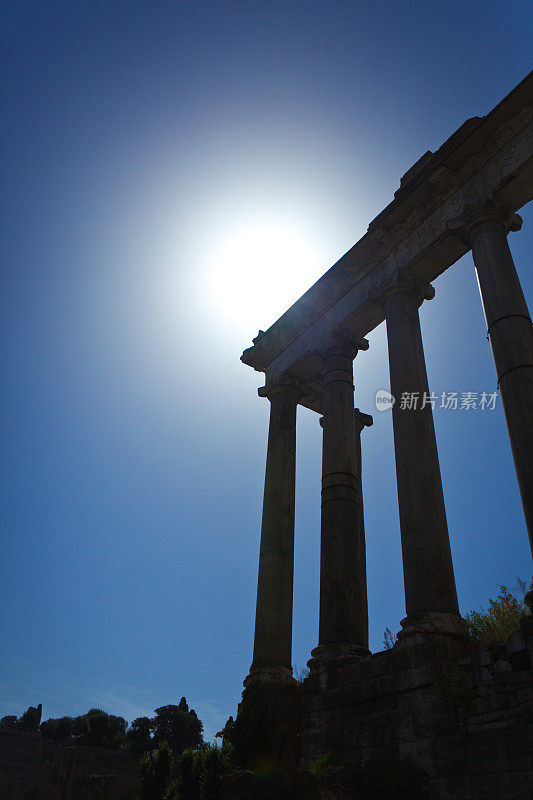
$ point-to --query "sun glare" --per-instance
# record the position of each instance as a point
(257, 274)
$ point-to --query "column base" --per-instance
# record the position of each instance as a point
(273, 676)
(428, 624)
(335, 654)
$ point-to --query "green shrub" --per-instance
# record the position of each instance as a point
(154, 772)
(495, 624)
(322, 763)
(389, 640)
(201, 771)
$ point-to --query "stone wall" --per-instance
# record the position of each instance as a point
(428, 720)
(34, 769)
(457, 723)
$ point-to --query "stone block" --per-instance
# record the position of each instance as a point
(512, 785)
(502, 665)
(485, 657)
(448, 730)
(385, 684)
(526, 710)
(515, 643)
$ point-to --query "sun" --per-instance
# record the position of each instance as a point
(258, 273)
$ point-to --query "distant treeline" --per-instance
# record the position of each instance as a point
(177, 725)
(174, 761)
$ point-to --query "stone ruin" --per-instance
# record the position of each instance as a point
(432, 717)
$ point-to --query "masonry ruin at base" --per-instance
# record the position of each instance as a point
(391, 708)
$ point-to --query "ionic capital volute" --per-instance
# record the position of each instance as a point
(281, 383)
(342, 341)
(492, 211)
(408, 284)
(362, 420)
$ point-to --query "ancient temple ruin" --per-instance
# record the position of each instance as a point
(463, 197)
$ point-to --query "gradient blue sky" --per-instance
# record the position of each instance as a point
(141, 143)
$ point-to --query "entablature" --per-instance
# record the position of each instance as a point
(487, 160)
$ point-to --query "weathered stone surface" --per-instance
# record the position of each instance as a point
(33, 768)
(343, 624)
(418, 722)
(510, 332)
(430, 594)
(430, 710)
(488, 157)
(427, 710)
(273, 620)
(265, 736)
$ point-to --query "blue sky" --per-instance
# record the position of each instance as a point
(160, 161)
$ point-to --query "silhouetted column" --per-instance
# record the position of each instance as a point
(273, 620)
(343, 629)
(430, 594)
(361, 422)
(510, 332)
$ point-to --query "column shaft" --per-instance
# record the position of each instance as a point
(273, 621)
(343, 600)
(427, 562)
(511, 337)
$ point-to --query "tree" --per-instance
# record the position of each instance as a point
(96, 728)
(196, 730)
(155, 770)
(178, 726)
(57, 730)
(138, 738)
(31, 719)
(104, 730)
(200, 773)
(10, 722)
(189, 779)
(80, 728)
(213, 763)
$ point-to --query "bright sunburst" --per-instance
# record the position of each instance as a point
(258, 273)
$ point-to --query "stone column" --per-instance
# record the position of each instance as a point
(361, 422)
(430, 594)
(343, 629)
(273, 620)
(510, 332)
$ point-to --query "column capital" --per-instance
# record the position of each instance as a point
(407, 284)
(492, 211)
(281, 383)
(362, 420)
(342, 341)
